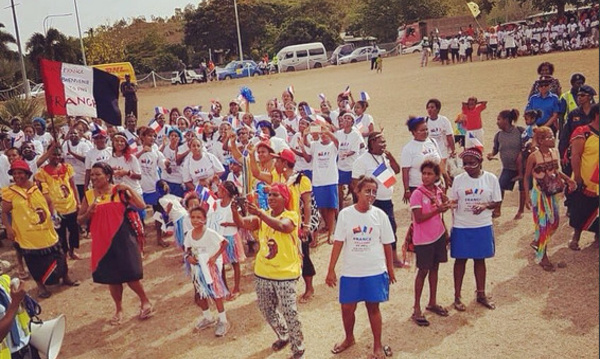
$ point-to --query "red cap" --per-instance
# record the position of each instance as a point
(19, 165)
(288, 155)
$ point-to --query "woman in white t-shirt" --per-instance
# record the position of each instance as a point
(364, 122)
(475, 194)
(350, 143)
(173, 161)
(363, 238)
(200, 167)
(126, 167)
(45, 138)
(151, 162)
(323, 155)
(419, 149)
(296, 145)
(75, 150)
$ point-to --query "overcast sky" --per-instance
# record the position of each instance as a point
(31, 13)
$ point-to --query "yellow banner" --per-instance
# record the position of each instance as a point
(474, 8)
(119, 69)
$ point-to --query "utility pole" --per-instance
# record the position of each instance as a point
(79, 29)
(237, 24)
(23, 70)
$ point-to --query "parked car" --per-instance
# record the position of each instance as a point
(302, 57)
(190, 75)
(360, 54)
(36, 91)
(412, 49)
(238, 69)
(341, 51)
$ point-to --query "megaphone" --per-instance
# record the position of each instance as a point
(48, 336)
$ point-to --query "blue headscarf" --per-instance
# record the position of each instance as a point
(41, 121)
(176, 130)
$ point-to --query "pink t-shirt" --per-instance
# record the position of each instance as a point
(432, 229)
(473, 117)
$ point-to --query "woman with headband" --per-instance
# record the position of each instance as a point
(474, 195)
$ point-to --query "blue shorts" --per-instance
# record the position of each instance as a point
(372, 289)
(176, 189)
(472, 243)
(344, 177)
(326, 196)
(151, 198)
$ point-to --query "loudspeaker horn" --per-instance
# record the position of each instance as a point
(47, 337)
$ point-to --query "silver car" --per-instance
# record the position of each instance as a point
(361, 54)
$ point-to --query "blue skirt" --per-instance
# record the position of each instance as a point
(472, 243)
(372, 289)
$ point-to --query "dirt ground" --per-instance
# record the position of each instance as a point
(539, 314)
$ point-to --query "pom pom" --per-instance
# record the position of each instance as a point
(246, 93)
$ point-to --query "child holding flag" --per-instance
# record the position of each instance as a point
(203, 250)
(364, 122)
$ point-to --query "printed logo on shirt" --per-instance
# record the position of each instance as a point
(470, 191)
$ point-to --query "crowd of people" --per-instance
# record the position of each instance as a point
(231, 183)
(575, 30)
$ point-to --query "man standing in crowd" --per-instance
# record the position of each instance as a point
(128, 90)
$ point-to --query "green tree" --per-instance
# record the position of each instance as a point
(53, 46)
(306, 30)
(558, 5)
(380, 18)
(5, 40)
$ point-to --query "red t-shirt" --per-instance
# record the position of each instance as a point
(473, 116)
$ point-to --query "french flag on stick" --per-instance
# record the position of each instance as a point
(364, 96)
(75, 90)
(155, 126)
(132, 145)
(160, 109)
(384, 175)
(308, 110)
(346, 91)
(206, 196)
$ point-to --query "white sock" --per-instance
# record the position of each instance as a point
(207, 314)
(222, 317)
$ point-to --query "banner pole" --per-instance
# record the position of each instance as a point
(153, 79)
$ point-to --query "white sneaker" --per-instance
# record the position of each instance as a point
(204, 323)
(222, 328)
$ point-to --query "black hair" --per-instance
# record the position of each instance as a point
(594, 110)
(106, 169)
(433, 165)
(535, 114)
(413, 122)
(510, 115)
(436, 102)
(545, 64)
(231, 188)
(196, 209)
(363, 180)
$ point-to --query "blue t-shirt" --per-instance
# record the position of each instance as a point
(548, 105)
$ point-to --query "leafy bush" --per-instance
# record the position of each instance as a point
(26, 109)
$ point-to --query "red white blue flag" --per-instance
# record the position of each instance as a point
(75, 90)
(384, 175)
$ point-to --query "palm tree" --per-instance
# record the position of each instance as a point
(5, 39)
(54, 46)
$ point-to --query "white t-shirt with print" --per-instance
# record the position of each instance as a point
(414, 154)
(195, 170)
(133, 165)
(175, 176)
(438, 130)
(95, 155)
(297, 142)
(205, 247)
(472, 191)
(362, 123)
(81, 149)
(364, 235)
(324, 164)
(45, 139)
(221, 215)
(150, 162)
(348, 142)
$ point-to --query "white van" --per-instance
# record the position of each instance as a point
(302, 57)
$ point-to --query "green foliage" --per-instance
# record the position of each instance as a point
(52, 46)
(26, 109)
(559, 5)
(304, 30)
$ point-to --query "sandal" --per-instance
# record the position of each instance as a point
(486, 302)
(116, 319)
(438, 309)
(279, 344)
(387, 350)
(146, 313)
(164, 244)
(45, 294)
(71, 283)
(420, 320)
(460, 306)
(548, 267)
(574, 246)
(232, 296)
(340, 347)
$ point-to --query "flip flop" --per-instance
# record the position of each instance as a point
(146, 313)
(486, 302)
(420, 320)
(116, 319)
(574, 246)
(460, 306)
(438, 309)
(548, 267)
(279, 344)
(45, 294)
(340, 347)
(233, 296)
(72, 283)
(387, 350)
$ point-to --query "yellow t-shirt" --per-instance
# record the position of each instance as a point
(589, 162)
(296, 190)
(31, 219)
(279, 255)
(103, 199)
(59, 187)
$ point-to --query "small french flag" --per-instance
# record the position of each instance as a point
(132, 145)
(475, 142)
(206, 196)
(290, 89)
(155, 126)
(384, 175)
(160, 109)
(308, 110)
(364, 96)
(322, 97)
(346, 91)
